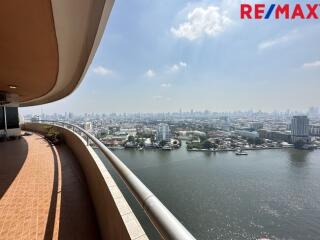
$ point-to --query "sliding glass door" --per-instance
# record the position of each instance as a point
(2, 120)
(12, 117)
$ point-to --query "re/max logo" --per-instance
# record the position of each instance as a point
(278, 11)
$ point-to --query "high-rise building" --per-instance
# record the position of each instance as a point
(36, 118)
(87, 126)
(163, 132)
(300, 129)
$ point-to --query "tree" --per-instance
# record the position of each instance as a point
(202, 138)
(256, 141)
(233, 145)
(251, 141)
(141, 143)
(194, 145)
(207, 144)
(162, 143)
(103, 134)
(259, 141)
(131, 138)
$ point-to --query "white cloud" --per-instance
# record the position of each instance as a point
(165, 85)
(273, 42)
(276, 41)
(100, 70)
(202, 21)
(183, 64)
(314, 64)
(178, 66)
(174, 68)
(150, 73)
(157, 97)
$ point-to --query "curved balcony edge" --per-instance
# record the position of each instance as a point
(114, 215)
(168, 226)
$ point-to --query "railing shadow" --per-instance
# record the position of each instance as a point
(53, 203)
(13, 155)
(77, 219)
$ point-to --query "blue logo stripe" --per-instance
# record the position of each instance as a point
(272, 6)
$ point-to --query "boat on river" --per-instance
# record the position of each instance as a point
(240, 152)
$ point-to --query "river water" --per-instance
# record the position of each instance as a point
(268, 194)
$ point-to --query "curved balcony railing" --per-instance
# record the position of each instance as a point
(163, 220)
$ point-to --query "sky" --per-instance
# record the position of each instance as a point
(163, 56)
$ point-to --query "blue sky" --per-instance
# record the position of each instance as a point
(162, 56)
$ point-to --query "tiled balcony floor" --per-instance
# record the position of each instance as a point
(43, 194)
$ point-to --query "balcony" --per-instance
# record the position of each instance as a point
(43, 192)
(65, 192)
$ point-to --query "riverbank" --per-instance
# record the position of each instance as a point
(233, 150)
(200, 150)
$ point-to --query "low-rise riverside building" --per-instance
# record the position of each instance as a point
(275, 135)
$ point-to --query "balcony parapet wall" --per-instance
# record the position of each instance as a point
(115, 217)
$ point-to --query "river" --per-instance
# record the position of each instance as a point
(268, 194)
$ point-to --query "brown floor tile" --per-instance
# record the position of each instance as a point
(43, 193)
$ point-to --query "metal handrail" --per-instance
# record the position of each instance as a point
(163, 220)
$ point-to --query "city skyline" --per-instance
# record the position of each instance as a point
(163, 56)
(311, 110)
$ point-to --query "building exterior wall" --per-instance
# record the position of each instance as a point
(275, 135)
(315, 130)
(163, 132)
(247, 134)
(300, 129)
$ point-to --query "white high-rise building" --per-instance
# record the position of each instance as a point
(87, 126)
(35, 118)
(163, 132)
(300, 129)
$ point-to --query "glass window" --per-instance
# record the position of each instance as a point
(1, 118)
(12, 117)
